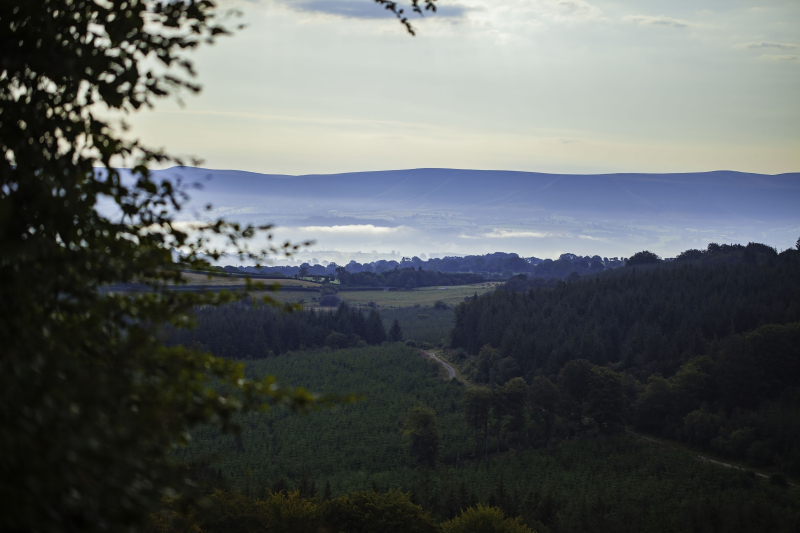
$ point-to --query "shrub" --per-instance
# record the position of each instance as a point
(336, 340)
(778, 479)
(368, 512)
(330, 300)
(482, 519)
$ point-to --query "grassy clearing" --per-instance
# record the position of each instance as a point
(196, 278)
(425, 297)
(420, 324)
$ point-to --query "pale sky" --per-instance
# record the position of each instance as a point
(325, 86)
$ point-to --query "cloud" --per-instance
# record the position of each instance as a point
(350, 229)
(507, 234)
(590, 238)
(365, 9)
(579, 9)
(786, 58)
(661, 20)
(768, 44)
(508, 21)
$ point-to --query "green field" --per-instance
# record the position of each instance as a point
(420, 324)
(401, 298)
(202, 279)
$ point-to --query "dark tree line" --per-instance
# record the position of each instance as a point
(740, 401)
(404, 278)
(584, 399)
(642, 320)
(242, 331)
(705, 350)
(497, 265)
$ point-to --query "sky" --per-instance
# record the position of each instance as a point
(559, 86)
(326, 86)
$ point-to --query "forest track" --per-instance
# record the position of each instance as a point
(700, 457)
(451, 372)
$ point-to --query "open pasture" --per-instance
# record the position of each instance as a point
(424, 297)
(198, 278)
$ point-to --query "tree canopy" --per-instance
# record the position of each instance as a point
(421, 428)
(642, 258)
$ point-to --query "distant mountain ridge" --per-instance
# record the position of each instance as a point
(451, 205)
(722, 192)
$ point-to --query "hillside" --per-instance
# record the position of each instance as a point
(430, 210)
(614, 483)
(708, 195)
(645, 320)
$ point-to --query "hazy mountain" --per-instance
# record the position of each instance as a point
(475, 211)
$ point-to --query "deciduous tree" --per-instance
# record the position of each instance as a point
(575, 380)
(607, 403)
(482, 519)
(545, 400)
(422, 430)
(477, 406)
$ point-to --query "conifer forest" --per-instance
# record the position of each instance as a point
(659, 396)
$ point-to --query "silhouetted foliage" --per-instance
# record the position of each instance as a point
(451, 270)
(91, 403)
(642, 258)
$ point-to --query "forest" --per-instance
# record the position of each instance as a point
(553, 471)
(543, 429)
(247, 330)
(704, 349)
(644, 320)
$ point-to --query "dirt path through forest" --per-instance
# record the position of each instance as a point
(700, 457)
(451, 372)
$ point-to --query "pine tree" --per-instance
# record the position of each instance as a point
(395, 333)
(376, 333)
